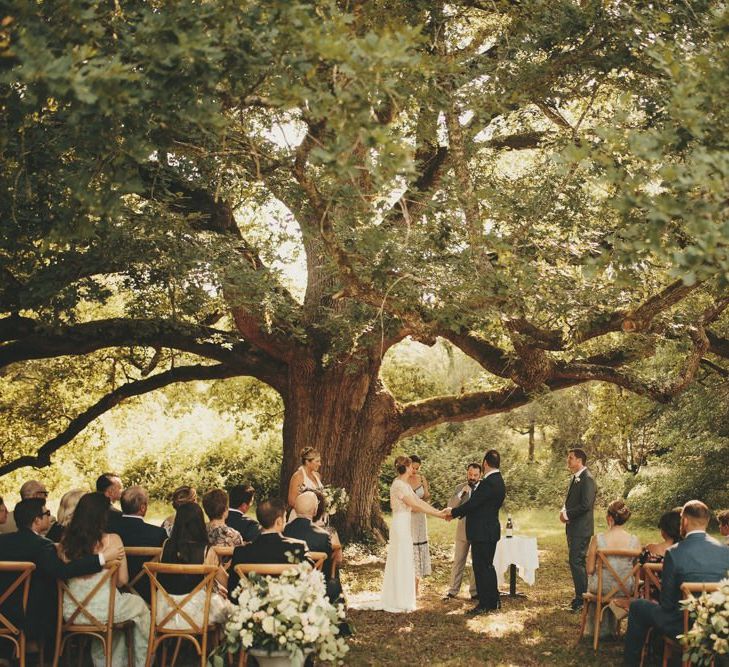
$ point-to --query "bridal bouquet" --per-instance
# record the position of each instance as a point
(288, 613)
(709, 635)
(337, 499)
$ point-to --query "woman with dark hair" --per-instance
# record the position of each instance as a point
(398, 586)
(180, 496)
(189, 545)
(85, 535)
(670, 526)
(215, 504)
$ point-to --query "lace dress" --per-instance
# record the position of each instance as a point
(398, 586)
(127, 607)
(419, 528)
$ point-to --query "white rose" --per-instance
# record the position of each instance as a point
(269, 625)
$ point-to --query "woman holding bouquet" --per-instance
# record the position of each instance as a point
(306, 478)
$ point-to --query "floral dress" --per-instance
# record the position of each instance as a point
(419, 530)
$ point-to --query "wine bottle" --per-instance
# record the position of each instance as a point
(509, 527)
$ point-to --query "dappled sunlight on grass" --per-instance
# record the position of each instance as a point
(531, 632)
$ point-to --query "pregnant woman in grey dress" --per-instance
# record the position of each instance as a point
(419, 525)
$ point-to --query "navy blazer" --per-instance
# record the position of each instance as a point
(136, 532)
(482, 509)
(248, 528)
(25, 545)
(267, 548)
(697, 558)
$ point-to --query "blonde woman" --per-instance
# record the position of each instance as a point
(65, 514)
(306, 478)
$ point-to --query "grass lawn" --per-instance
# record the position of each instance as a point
(532, 631)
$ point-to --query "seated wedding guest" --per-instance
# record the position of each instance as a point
(7, 523)
(698, 557)
(87, 535)
(316, 538)
(109, 484)
(69, 500)
(670, 526)
(723, 518)
(215, 504)
(306, 477)
(615, 537)
(180, 496)
(270, 546)
(241, 498)
(136, 532)
(35, 489)
(189, 545)
(27, 544)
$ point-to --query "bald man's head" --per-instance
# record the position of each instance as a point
(306, 504)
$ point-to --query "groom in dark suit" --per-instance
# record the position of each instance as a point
(483, 530)
(578, 517)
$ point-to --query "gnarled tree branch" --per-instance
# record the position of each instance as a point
(42, 457)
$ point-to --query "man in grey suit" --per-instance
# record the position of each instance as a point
(697, 558)
(461, 495)
(577, 515)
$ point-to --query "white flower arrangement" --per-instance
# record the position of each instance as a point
(337, 499)
(287, 613)
(709, 635)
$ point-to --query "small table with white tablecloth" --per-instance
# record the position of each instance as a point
(516, 552)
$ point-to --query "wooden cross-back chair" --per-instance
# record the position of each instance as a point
(651, 573)
(623, 587)
(139, 583)
(82, 622)
(20, 583)
(670, 644)
(264, 569)
(225, 554)
(170, 617)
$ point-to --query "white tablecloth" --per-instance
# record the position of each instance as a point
(520, 550)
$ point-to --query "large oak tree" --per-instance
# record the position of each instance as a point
(541, 183)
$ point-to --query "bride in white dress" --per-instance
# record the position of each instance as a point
(398, 586)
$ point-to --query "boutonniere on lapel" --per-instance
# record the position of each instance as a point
(577, 480)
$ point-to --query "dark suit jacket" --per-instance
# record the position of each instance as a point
(482, 509)
(248, 528)
(25, 545)
(697, 558)
(579, 505)
(317, 539)
(112, 519)
(267, 548)
(136, 532)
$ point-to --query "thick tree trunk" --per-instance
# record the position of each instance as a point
(344, 412)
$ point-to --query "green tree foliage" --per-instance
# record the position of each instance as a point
(542, 184)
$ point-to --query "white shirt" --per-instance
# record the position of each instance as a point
(703, 532)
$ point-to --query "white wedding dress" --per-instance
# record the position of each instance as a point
(398, 586)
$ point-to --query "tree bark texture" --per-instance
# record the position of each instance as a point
(345, 413)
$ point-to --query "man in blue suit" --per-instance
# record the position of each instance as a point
(697, 558)
(483, 530)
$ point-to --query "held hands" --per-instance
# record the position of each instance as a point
(113, 552)
(445, 513)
